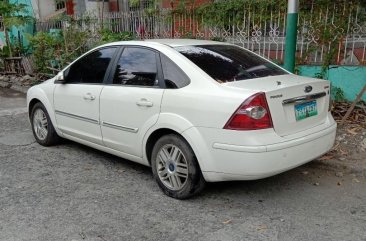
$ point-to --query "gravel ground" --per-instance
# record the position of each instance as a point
(72, 192)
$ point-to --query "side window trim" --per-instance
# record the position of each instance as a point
(108, 79)
(160, 77)
(107, 73)
(160, 70)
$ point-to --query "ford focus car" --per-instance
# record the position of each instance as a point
(195, 111)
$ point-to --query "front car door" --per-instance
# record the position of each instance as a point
(76, 101)
(130, 104)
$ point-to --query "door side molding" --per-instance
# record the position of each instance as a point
(119, 127)
(78, 117)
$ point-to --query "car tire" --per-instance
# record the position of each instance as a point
(42, 127)
(175, 167)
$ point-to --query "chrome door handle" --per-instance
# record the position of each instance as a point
(144, 102)
(89, 96)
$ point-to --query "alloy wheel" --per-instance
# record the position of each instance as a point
(40, 124)
(172, 167)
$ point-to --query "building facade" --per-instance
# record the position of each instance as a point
(46, 9)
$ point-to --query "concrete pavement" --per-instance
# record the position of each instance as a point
(12, 102)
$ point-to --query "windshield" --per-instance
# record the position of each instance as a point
(226, 63)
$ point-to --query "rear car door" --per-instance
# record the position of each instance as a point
(130, 103)
(76, 101)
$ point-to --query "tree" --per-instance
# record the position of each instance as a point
(13, 14)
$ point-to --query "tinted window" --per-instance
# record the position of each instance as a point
(91, 68)
(174, 77)
(229, 63)
(136, 66)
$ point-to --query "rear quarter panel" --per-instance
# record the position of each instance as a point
(204, 102)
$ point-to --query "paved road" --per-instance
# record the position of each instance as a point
(11, 102)
(72, 192)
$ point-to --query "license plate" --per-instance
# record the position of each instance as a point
(305, 110)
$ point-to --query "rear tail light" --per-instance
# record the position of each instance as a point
(253, 114)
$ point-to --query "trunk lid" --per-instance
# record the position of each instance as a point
(296, 103)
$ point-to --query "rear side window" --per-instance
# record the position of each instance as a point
(226, 63)
(174, 77)
(91, 68)
(136, 66)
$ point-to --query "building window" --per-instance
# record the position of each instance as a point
(60, 4)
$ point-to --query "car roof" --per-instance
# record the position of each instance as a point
(168, 42)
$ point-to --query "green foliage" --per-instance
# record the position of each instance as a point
(226, 13)
(47, 48)
(188, 34)
(218, 39)
(75, 42)
(337, 94)
(320, 75)
(56, 50)
(107, 36)
(328, 32)
(4, 52)
(137, 3)
(14, 14)
(134, 3)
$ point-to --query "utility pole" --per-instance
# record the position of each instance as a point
(291, 34)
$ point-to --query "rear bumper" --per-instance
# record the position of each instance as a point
(225, 162)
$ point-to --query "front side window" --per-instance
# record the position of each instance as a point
(137, 67)
(91, 68)
(226, 63)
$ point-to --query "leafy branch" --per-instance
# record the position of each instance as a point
(13, 14)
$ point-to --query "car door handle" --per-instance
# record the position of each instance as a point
(144, 102)
(89, 96)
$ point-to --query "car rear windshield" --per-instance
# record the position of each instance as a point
(226, 63)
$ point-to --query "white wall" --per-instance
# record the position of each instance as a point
(43, 8)
(96, 6)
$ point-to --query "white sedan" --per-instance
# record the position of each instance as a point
(195, 111)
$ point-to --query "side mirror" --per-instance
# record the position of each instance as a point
(60, 78)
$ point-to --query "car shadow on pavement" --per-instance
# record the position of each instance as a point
(276, 184)
(108, 159)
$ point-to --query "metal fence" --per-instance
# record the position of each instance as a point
(336, 32)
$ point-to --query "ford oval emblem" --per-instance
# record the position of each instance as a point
(308, 88)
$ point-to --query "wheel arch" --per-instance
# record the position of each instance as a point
(167, 123)
(31, 104)
(39, 95)
(154, 137)
(158, 133)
